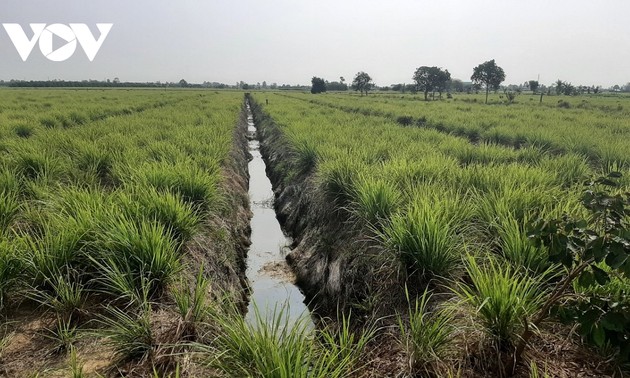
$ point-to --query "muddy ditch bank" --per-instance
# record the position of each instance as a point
(227, 234)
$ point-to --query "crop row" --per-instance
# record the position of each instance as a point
(600, 135)
(22, 113)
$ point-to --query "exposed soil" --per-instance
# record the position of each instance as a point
(279, 270)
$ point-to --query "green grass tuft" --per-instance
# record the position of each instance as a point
(424, 238)
(9, 210)
(129, 334)
(502, 298)
(376, 200)
(428, 335)
(146, 247)
(11, 267)
(276, 348)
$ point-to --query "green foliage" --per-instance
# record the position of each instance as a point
(64, 294)
(178, 217)
(554, 132)
(129, 334)
(145, 248)
(37, 165)
(592, 250)
(318, 85)
(488, 74)
(495, 168)
(423, 237)
(192, 305)
(534, 371)
(602, 238)
(9, 209)
(376, 200)
(338, 181)
(96, 198)
(343, 344)
(62, 336)
(10, 184)
(5, 339)
(23, 130)
(10, 270)
(195, 186)
(533, 85)
(517, 248)
(362, 82)
(53, 253)
(276, 347)
(76, 367)
(430, 79)
(306, 157)
(427, 338)
(116, 278)
(502, 299)
(97, 162)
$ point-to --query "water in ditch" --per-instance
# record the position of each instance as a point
(271, 279)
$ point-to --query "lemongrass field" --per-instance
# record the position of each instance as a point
(450, 191)
(118, 208)
(95, 180)
(121, 234)
(594, 127)
(104, 197)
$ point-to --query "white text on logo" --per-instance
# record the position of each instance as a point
(71, 34)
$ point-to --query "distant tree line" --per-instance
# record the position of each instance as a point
(79, 84)
(116, 83)
(487, 76)
(106, 84)
(621, 88)
(566, 88)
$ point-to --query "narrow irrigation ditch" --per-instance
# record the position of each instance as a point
(338, 269)
(333, 276)
(271, 280)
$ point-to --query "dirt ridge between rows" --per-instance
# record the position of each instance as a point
(225, 258)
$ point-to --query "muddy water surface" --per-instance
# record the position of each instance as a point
(270, 278)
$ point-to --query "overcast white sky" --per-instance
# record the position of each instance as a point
(289, 41)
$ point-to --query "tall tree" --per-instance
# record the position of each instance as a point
(319, 85)
(443, 81)
(533, 85)
(362, 82)
(457, 85)
(488, 74)
(430, 79)
(560, 87)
